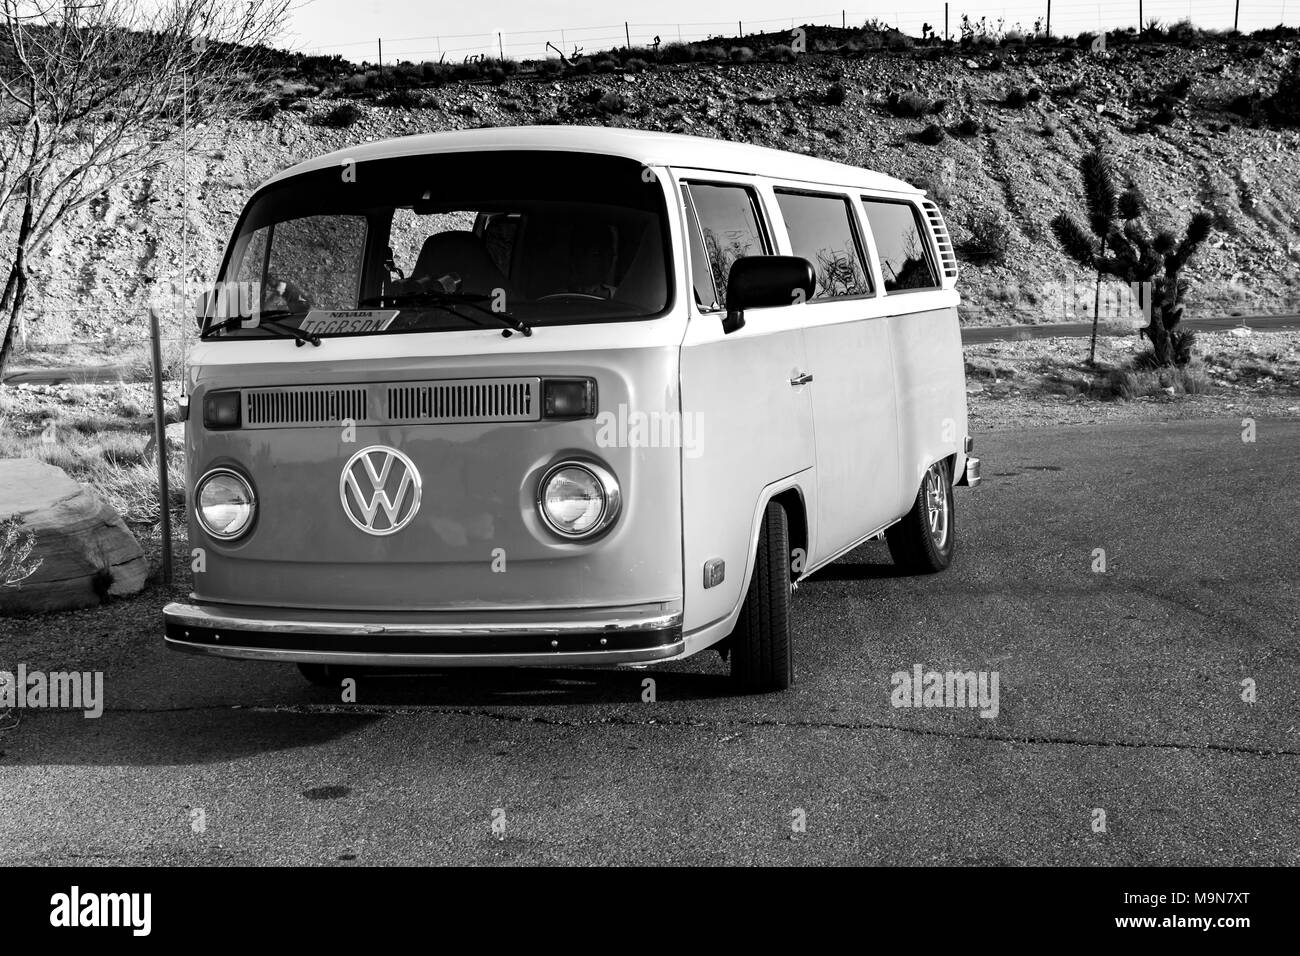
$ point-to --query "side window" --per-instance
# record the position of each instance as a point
(706, 296)
(900, 238)
(821, 230)
(729, 228)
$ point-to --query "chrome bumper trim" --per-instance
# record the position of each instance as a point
(589, 636)
(435, 661)
(651, 617)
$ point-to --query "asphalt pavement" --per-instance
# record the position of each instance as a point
(1121, 734)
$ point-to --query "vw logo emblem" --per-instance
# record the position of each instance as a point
(380, 490)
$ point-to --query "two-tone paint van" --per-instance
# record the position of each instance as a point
(565, 396)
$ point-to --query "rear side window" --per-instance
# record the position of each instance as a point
(821, 231)
(729, 228)
(905, 261)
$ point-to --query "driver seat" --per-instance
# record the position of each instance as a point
(464, 254)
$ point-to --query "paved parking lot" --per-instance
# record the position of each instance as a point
(1120, 693)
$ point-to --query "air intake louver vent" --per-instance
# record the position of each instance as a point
(494, 400)
(947, 257)
(304, 405)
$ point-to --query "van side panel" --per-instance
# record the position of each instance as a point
(930, 375)
(755, 429)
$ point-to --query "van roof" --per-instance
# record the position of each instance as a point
(649, 148)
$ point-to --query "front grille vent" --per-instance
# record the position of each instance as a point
(304, 405)
(475, 400)
(451, 402)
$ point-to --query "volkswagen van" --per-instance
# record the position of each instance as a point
(564, 396)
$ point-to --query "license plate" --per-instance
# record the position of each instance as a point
(325, 322)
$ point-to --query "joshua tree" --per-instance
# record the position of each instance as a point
(1123, 245)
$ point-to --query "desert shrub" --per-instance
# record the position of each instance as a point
(1183, 32)
(967, 127)
(1019, 97)
(405, 99)
(266, 110)
(836, 94)
(932, 135)
(678, 53)
(406, 73)
(1284, 104)
(781, 53)
(741, 54)
(899, 41)
(715, 53)
(583, 67)
(909, 104)
(1164, 116)
(16, 546)
(436, 73)
(1069, 91)
(1049, 127)
(989, 237)
(1144, 380)
(353, 85)
(1182, 343)
(341, 117)
(611, 103)
(1243, 105)
(549, 67)
(496, 75)
(938, 187)
(636, 65)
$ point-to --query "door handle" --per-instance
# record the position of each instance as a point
(802, 378)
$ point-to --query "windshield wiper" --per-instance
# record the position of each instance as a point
(446, 300)
(270, 320)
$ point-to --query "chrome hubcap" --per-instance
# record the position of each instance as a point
(936, 505)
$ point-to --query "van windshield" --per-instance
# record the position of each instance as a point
(438, 242)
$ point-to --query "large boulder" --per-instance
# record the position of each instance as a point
(87, 553)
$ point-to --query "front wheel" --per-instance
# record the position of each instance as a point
(924, 541)
(760, 646)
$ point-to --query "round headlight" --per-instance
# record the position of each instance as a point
(224, 503)
(578, 499)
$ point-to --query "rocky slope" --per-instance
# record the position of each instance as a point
(1015, 161)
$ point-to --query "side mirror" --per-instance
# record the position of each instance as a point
(765, 282)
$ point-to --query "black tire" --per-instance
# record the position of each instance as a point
(914, 543)
(761, 651)
(324, 675)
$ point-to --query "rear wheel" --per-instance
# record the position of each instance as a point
(761, 652)
(924, 541)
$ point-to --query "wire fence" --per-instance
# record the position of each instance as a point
(1066, 17)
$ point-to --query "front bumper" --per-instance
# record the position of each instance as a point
(637, 634)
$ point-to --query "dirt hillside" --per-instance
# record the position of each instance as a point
(1009, 128)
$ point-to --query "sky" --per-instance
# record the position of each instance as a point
(419, 30)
